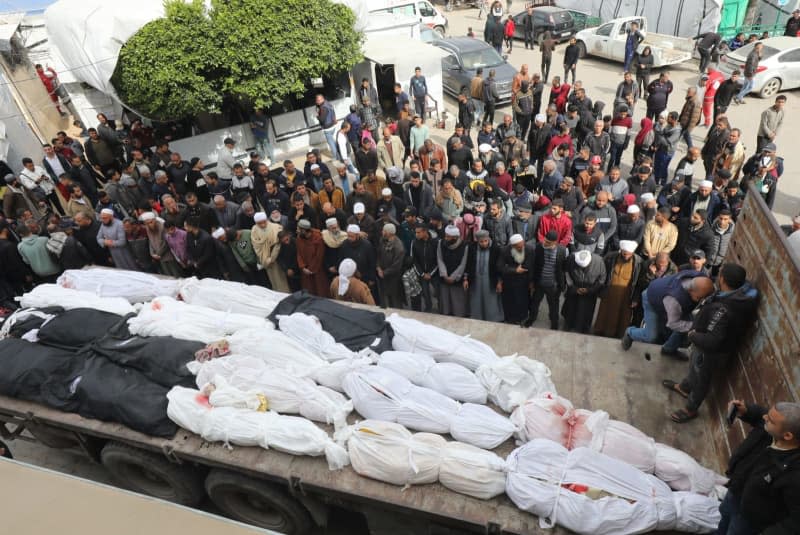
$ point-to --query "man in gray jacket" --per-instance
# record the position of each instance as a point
(498, 225)
(771, 121)
(606, 215)
(667, 133)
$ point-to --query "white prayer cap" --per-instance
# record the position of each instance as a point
(629, 246)
(147, 216)
(260, 217)
(484, 147)
(647, 197)
(107, 211)
(515, 239)
(347, 268)
(390, 228)
(663, 114)
(218, 233)
(331, 221)
(353, 229)
(314, 167)
(583, 258)
(540, 118)
(452, 230)
(386, 191)
(633, 209)
(706, 184)
(358, 208)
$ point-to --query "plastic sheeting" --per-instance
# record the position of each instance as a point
(381, 394)
(452, 380)
(588, 492)
(133, 286)
(25, 368)
(390, 453)
(230, 296)
(511, 380)
(275, 349)
(165, 316)
(286, 393)
(684, 19)
(47, 295)
(414, 336)
(554, 418)
(290, 434)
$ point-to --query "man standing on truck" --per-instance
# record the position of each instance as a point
(764, 487)
(718, 325)
(706, 45)
(750, 69)
(632, 42)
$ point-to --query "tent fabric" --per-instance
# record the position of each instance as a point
(354, 327)
(73, 329)
(683, 19)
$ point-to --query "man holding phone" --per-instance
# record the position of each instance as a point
(764, 487)
(717, 327)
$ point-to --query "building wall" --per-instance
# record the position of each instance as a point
(767, 369)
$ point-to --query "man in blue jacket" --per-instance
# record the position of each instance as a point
(418, 90)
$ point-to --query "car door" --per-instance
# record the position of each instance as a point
(602, 36)
(451, 72)
(789, 68)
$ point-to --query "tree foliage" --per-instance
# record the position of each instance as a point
(260, 51)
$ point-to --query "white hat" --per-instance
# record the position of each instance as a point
(314, 167)
(260, 217)
(452, 230)
(353, 229)
(331, 221)
(347, 268)
(218, 233)
(107, 211)
(540, 118)
(515, 239)
(386, 191)
(390, 228)
(629, 246)
(647, 197)
(633, 209)
(147, 216)
(706, 184)
(484, 147)
(358, 208)
(583, 258)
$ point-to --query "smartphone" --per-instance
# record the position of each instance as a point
(732, 414)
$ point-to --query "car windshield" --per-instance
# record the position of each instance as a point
(766, 52)
(562, 16)
(485, 57)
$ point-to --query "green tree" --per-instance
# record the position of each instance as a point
(260, 51)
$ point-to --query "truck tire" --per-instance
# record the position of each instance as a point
(257, 503)
(152, 474)
(581, 49)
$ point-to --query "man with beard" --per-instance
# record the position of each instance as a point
(548, 278)
(361, 251)
(731, 157)
(287, 260)
(362, 196)
(424, 255)
(111, 236)
(674, 198)
(694, 233)
(587, 236)
(173, 211)
(201, 251)
(86, 233)
(482, 279)
(333, 237)
(516, 269)
(159, 248)
(622, 272)
(347, 286)
(705, 198)
(83, 174)
(311, 259)
(451, 256)
(204, 215)
(267, 246)
(556, 220)
(585, 277)
(687, 166)
(390, 258)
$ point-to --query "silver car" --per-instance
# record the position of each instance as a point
(778, 69)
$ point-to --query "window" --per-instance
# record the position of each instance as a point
(605, 30)
(790, 57)
(426, 10)
(334, 87)
(485, 57)
(449, 62)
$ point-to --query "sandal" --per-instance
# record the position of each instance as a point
(672, 386)
(682, 416)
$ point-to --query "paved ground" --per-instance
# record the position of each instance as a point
(601, 78)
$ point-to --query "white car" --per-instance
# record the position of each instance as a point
(778, 69)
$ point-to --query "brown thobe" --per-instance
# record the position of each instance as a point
(357, 292)
(614, 315)
(310, 256)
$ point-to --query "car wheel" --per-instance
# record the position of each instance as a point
(770, 88)
(439, 31)
(581, 49)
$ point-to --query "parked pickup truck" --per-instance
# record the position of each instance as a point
(608, 41)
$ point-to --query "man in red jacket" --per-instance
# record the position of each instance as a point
(556, 220)
(713, 80)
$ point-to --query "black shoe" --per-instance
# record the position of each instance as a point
(676, 354)
(527, 322)
(626, 342)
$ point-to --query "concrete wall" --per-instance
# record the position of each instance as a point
(767, 369)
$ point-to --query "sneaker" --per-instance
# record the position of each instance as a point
(626, 342)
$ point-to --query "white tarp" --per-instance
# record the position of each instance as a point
(684, 19)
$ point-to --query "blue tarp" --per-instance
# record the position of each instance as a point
(7, 6)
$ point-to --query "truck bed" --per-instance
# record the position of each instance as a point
(592, 372)
(673, 49)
